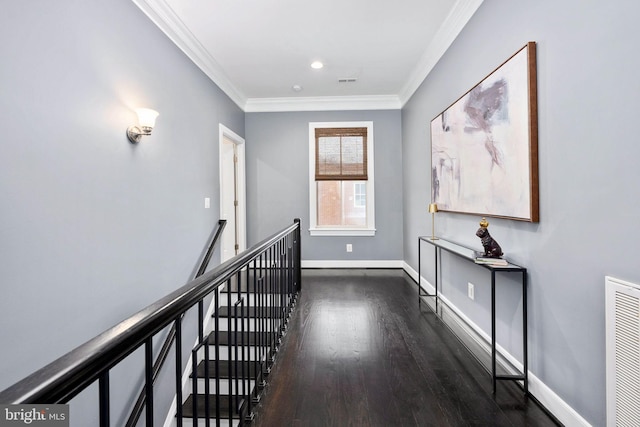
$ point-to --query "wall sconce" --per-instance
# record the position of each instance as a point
(146, 120)
(433, 208)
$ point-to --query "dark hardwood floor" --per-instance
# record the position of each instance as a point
(359, 352)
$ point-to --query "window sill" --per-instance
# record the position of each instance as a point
(342, 231)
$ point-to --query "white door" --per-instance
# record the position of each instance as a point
(232, 193)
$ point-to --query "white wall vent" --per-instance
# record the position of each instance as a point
(622, 301)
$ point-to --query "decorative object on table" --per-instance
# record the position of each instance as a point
(433, 208)
(484, 147)
(491, 248)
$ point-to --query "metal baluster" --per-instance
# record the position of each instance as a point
(246, 376)
(283, 285)
(178, 327)
(216, 349)
(242, 361)
(298, 256)
(207, 386)
(237, 340)
(149, 380)
(256, 344)
(290, 302)
(194, 384)
(233, 355)
(103, 385)
(200, 321)
(272, 331)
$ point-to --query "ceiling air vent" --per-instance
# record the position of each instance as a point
(347, 80)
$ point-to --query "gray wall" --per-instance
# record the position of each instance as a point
(587, 94)
(93, 228)
(277, 156)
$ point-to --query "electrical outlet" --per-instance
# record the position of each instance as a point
(207, 202)
(470, 290)
(349, 247)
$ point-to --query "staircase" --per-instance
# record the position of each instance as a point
(232, 362)
(253, 295)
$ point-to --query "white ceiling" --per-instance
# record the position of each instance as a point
(257, 50)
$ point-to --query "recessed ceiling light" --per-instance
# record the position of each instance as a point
(317, 65)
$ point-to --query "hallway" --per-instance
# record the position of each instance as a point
(359, 352)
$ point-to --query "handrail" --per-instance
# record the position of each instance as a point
(67, 376)
(136, 412)
(222, 223)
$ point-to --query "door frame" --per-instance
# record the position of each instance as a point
(241, 220)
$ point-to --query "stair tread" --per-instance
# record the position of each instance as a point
(252, 312)
(187, 406)
(250, 368)
(250, 287)
(250, 338)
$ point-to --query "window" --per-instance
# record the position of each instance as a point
(359, 195)
(341, 178)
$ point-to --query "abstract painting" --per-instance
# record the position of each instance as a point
(484, 147)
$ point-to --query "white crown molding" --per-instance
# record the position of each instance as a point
(323, 103)
(460, 14)
(166, 19)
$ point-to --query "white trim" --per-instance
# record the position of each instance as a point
(351, 263)
(323, 103)
(164, 17)
(225, 132)
(547, 397)
(459, 16)
(370, 229)
(168, 21)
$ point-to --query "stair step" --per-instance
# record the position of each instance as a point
(187, 406)
(251, 338)
(250, 368)
(253, 287)
(251, 312)
(225, 324)
(223, 386)
(202, 422)
(265, 300)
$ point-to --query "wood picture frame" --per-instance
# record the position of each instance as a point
(484, 146)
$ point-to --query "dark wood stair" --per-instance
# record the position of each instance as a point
(269, 312)
(250, 338)
(225, 407)
(256, 341)
(250, 287)
(227, 367)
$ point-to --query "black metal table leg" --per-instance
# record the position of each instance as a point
(493, 330)
(419, 276)
(525, 341)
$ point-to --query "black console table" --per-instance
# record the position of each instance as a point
(470, 255)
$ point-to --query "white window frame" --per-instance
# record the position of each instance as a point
(370, 228)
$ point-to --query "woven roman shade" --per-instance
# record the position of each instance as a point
(341, 154)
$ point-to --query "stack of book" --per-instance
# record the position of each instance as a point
(494, 262)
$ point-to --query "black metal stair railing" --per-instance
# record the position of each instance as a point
(171, 336)
(249, 321)
(253, 296)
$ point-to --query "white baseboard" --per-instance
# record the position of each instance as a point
(539, 390)
(352, 264)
